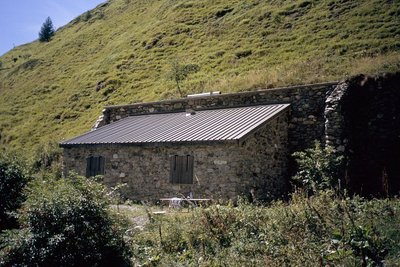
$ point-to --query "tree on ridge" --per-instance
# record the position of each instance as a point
(47, 30)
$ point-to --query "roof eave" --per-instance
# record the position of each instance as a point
(151, 144)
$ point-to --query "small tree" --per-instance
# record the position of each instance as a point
(47, 31)
(178, 73)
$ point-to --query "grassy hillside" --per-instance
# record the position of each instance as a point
(121, 52)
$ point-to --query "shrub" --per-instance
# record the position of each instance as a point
(319, 168)
(87, 15)
(242, 54)
(66, 222)
(13, 179)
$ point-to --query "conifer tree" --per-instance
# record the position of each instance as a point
(47, 31)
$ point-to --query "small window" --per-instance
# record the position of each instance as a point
(94, 166)
(181, 169)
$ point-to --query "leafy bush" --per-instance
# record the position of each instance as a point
(66, 222)
(319, 168)
(13, 179)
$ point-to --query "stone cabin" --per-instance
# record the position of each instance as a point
(216, 153)
(217, 146)
(221, 146)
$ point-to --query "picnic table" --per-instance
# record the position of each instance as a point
(175, 202)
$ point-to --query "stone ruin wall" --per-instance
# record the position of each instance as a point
(363, 122)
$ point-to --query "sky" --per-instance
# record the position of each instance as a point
(21, 20)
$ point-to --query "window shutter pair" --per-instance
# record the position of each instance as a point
(94, 166)
(181, 169)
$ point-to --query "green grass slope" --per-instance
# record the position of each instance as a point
(121, 52)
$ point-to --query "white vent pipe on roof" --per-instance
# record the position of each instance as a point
(190, 112)
(205, 94)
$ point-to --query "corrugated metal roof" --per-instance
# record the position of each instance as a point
(206, 125)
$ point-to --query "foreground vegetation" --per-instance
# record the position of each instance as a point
(62, 222)
(321, 230)
(324, 230)
(13, 179)
(122, 52)
(72, 222)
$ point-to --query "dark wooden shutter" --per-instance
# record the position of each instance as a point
(180, 168)
(95, 166)
(187, 172)
(173, 169)
(101, 166)
(177, 168)
(88, 163)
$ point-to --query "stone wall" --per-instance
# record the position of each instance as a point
(223, 170)
(363, 122)
(334, 118)
(265, 159)
(307, 121)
